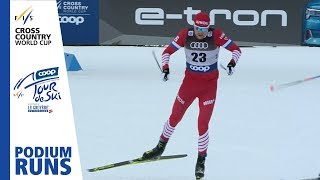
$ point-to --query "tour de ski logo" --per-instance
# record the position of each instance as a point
(26, 35)
(42, 86)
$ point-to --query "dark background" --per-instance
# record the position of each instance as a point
(117, 18)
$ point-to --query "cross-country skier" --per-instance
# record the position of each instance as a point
(202, 45)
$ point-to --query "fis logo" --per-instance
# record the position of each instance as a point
(59, 4)
(25, 16)
(18, 94)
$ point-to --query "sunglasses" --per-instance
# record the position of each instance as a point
(202, 29)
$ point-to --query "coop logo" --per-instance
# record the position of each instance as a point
(43, 160)
(46, 73)
(71, 19)
(199, 45)
(44, 84)
(157, 16)
(25, 16)
(199, 68)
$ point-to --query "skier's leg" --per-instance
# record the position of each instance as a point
(206, 106)
(183, 100)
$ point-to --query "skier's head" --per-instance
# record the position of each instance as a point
(201, 23)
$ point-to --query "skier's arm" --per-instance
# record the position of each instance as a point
(175, 45)
(222, 40)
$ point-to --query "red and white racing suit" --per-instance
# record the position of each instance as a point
(200, 79)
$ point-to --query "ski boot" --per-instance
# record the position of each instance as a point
(155, 152)
(199, 172)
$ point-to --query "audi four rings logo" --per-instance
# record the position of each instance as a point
(200, 68)
(199, 45)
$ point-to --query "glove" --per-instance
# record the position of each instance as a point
(230, 67)
(165, 74)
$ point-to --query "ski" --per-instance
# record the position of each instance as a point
(318, 178)
(136, 161)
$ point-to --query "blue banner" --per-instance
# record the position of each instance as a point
(5, 91)
(79, 21)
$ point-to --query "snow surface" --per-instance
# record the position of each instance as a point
(120, 106)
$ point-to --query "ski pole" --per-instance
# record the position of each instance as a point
(223, 67)
(286, 85)
(156, 59)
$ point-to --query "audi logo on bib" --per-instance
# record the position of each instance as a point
(199, 45)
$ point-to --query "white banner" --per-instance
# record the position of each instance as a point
(43, 142)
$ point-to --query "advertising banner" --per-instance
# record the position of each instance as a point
(157, 22)
(311, 24)
(79, 21)
(43, 143)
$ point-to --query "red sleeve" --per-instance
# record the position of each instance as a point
(222, 40)
(175, 45)
(220, 37)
